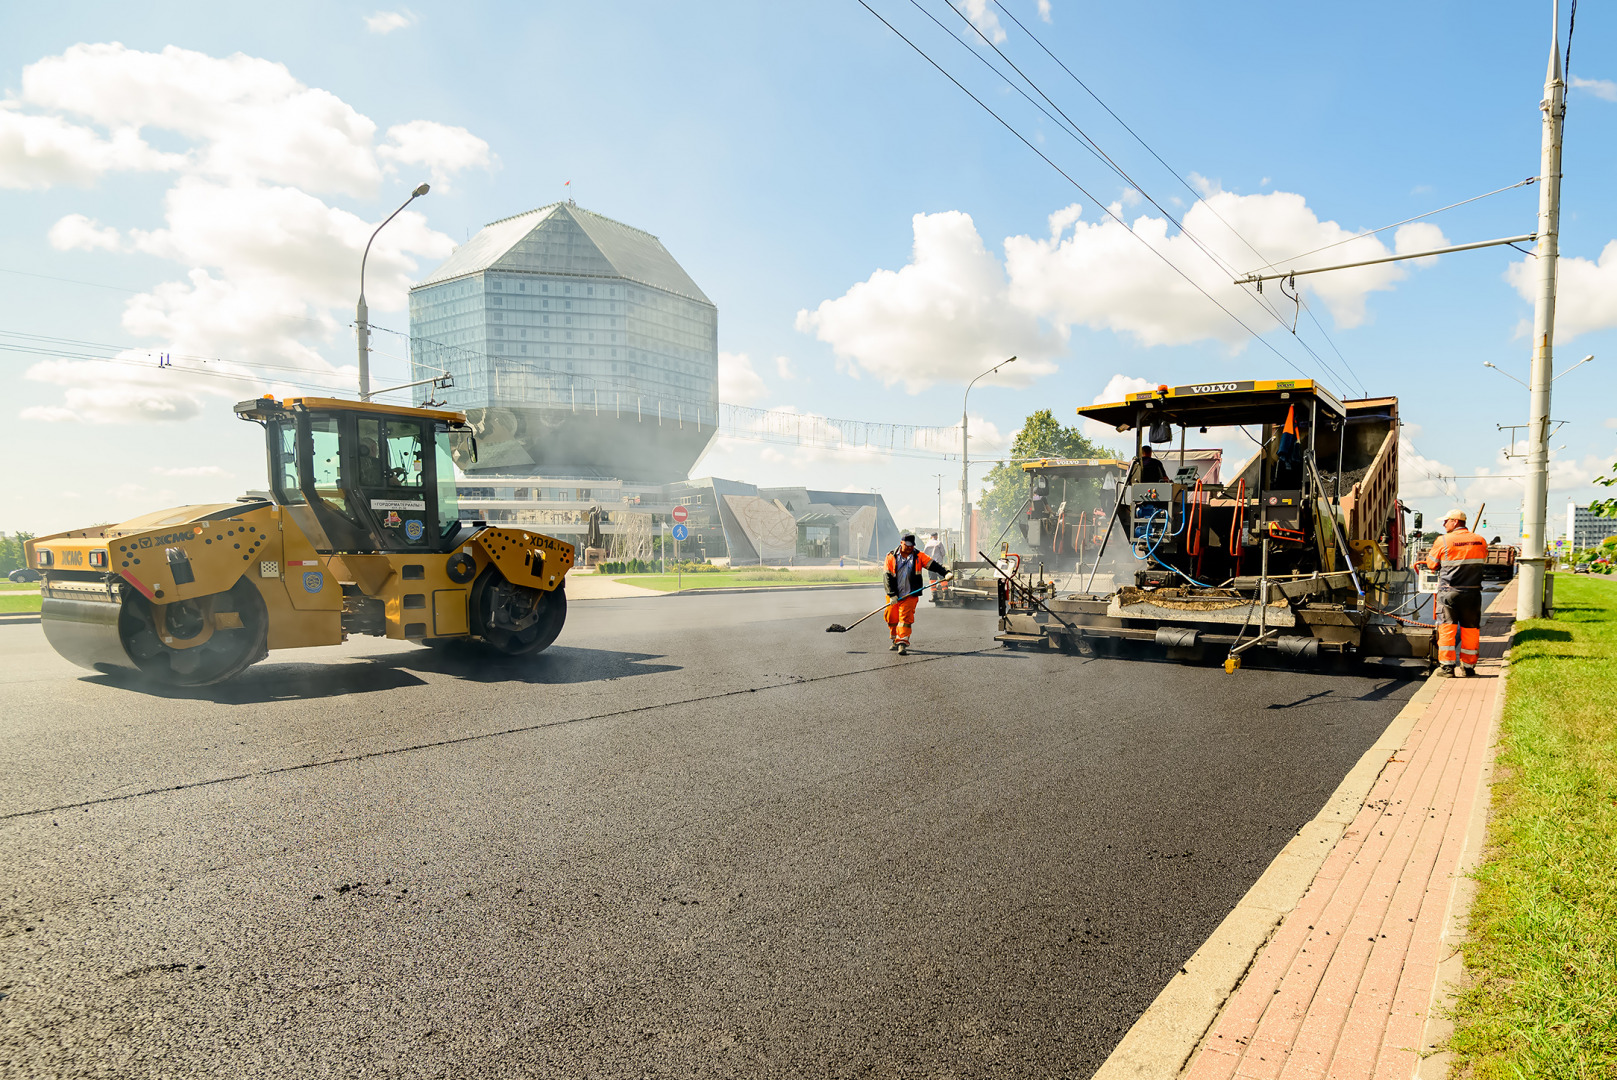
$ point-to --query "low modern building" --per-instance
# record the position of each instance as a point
(725, 519)
(578, 347)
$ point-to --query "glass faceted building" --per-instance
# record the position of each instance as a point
(578, 347)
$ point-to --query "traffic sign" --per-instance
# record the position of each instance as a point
(680, 514)
(680, 531)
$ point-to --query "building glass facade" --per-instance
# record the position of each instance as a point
(564, 318)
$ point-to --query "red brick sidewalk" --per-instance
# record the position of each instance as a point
(1345, 985)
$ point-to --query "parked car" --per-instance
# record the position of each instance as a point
(1580, 568)
(23, 574)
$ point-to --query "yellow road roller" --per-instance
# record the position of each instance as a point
(361, 535)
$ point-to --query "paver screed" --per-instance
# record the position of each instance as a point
(1344, 986)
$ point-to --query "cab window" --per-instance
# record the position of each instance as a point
(288, 483)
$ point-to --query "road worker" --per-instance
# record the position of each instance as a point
(904, 566)
(1146, 469)
(1458, 556)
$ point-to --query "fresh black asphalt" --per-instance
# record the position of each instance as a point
(699, 837)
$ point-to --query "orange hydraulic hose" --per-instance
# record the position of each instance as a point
(1237, 519)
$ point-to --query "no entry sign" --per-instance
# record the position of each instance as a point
(680, 514)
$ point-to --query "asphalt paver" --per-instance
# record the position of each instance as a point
(698, 837)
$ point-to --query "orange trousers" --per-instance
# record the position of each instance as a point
(1459, 616)
(901, 617)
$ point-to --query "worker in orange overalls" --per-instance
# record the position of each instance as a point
(904, 566)
(1458, 556)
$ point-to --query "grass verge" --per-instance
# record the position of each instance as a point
(18, 586)
(1542, 951)
(12, 604)
(747, 579)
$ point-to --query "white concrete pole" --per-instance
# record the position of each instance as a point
(1535, 500)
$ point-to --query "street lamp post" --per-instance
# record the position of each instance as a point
(965, 458)
(361, 312)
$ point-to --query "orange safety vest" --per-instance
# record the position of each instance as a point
(923, 561)
(1458, 557)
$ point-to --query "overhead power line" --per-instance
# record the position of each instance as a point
(1024, 140)
(1200, 197)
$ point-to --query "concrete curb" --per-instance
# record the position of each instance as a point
(1164, 1040)
(775, 588)
(18, 617)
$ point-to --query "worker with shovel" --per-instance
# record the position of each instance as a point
(904, 566)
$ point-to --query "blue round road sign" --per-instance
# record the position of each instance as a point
(680, 531)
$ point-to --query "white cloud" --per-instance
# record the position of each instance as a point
(1604, 89)
(783, 368)
(1103, 277)
(945, 317)
(269, 265)
(75, 232)
(1586, 291)
(191, 470)
(250, 116)
(1044, 10)
(441, 149)
(1420, 236)
(739, 383)
(1421, 477)
(108, 394)
(1117, 388)
(385, 22)
(39, 151)
(984, 19)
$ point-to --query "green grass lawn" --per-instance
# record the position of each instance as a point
(746, 579)
(10, 604)
(1542, 953)
(18, 586)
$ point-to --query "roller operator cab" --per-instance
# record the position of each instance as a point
(362, 535)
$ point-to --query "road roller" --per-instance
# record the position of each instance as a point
(361, 533)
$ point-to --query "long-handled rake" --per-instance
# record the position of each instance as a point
(838, 628)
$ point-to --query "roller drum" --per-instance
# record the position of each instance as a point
(85, 632)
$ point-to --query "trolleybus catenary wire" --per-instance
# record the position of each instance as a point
(1188, 186)
(1087, 194)
(1071, 128)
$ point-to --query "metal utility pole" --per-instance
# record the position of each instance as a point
(1535, 508)
(362, 314)
(965, 459)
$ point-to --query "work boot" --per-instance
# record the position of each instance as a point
(1446, 670)
(894, 647)
(1470, 670)
(903, 648)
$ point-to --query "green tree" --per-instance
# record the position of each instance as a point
(1606, 507)
(1005, 488)
(12, 556)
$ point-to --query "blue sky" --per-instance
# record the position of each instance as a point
(845, 207)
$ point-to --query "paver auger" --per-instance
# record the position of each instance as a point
(362, 535)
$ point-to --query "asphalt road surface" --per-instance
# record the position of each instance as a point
(698, 837)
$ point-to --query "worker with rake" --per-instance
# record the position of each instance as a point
(904, 566)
